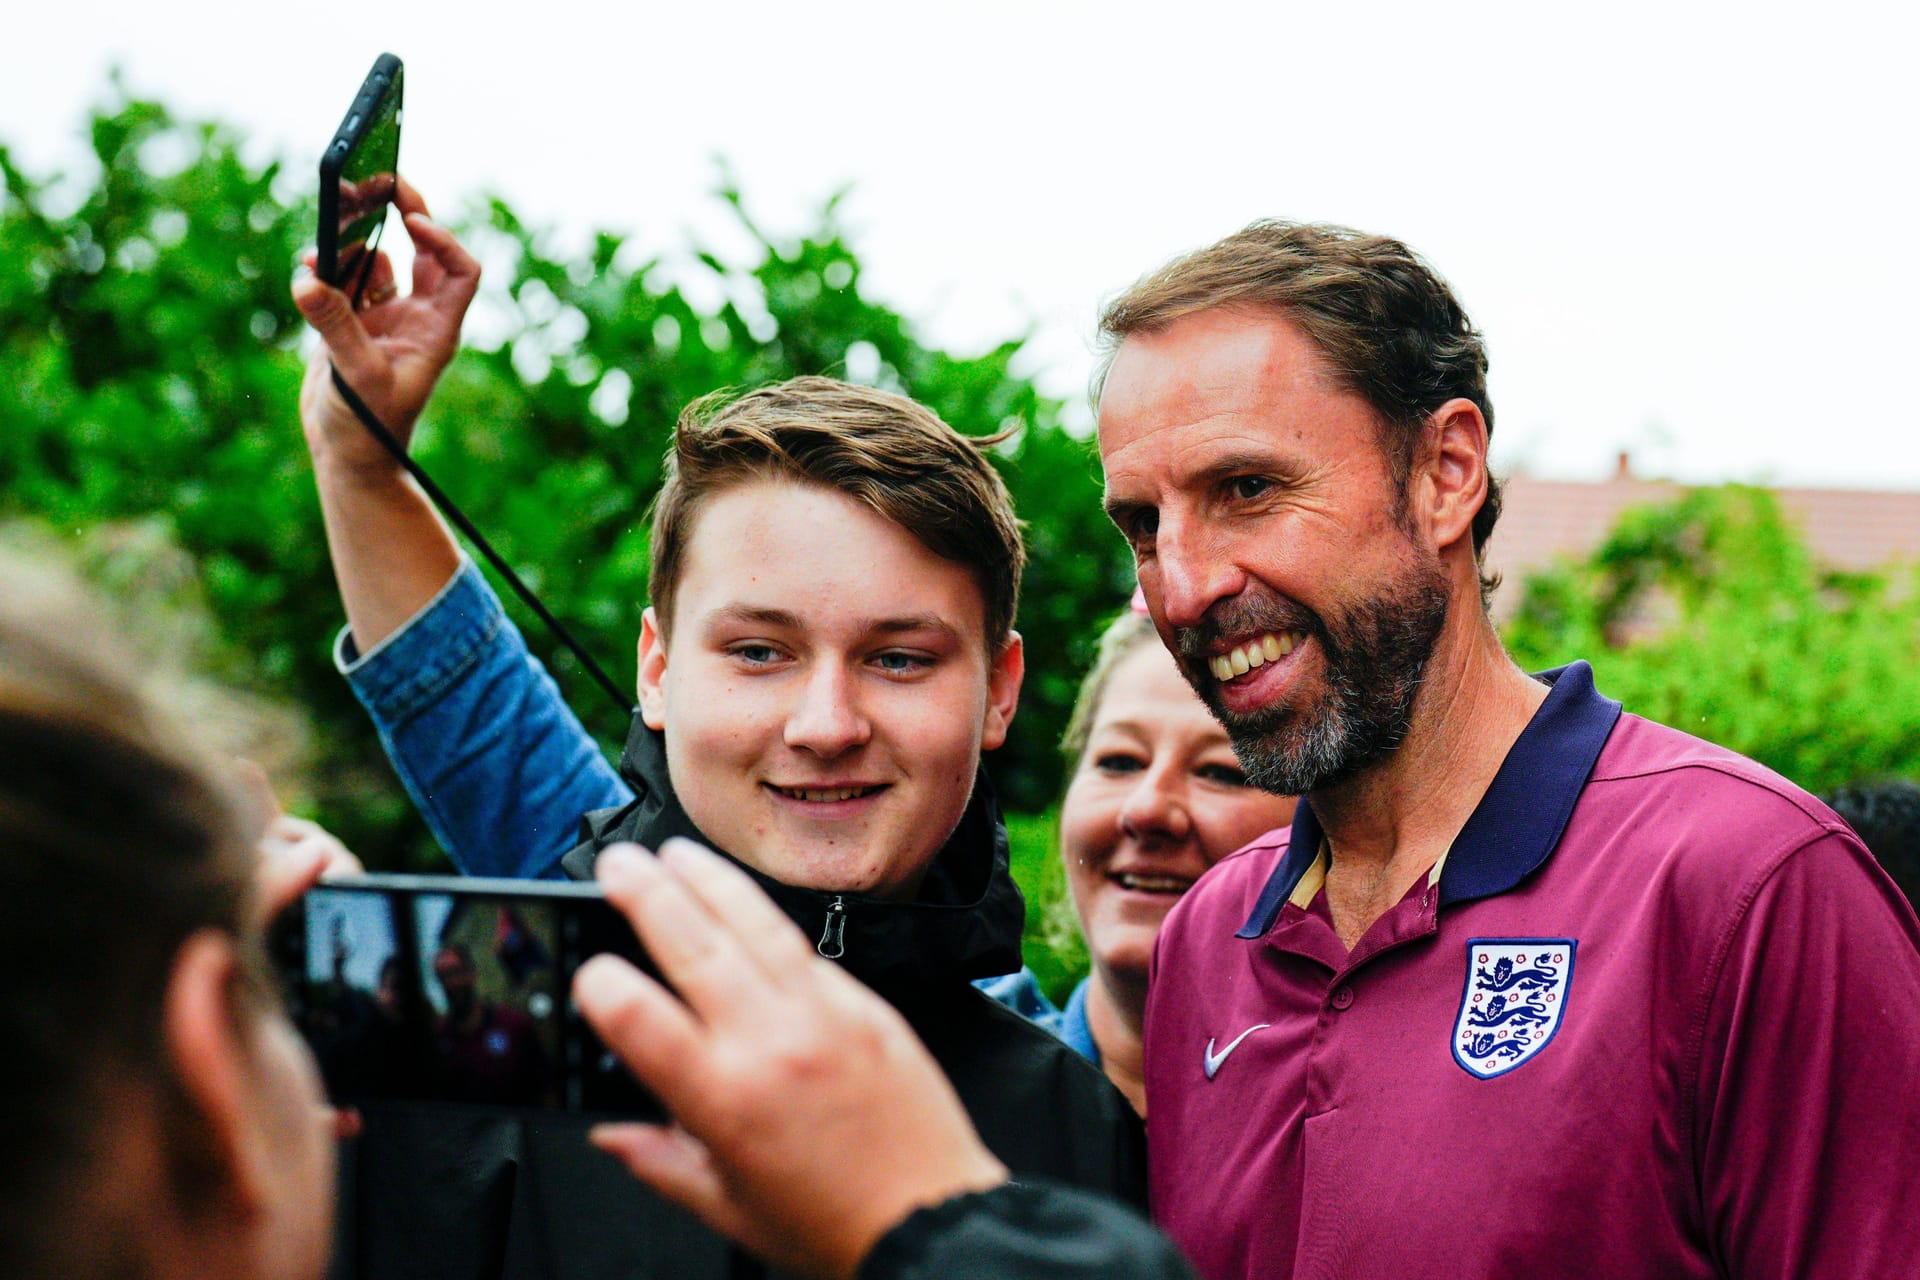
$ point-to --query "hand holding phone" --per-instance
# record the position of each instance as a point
(392, 353)
(809, 1120)
(363, 391)
(391, 350)
(358, 173)
(442, 990)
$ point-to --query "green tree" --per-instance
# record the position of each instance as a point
(1709, 614)
(149, 368)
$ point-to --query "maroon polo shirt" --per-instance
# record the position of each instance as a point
(1658, 1015)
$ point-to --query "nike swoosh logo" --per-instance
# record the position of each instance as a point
(1214, 1060)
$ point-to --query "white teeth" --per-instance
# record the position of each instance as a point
(1153, 884)
(825, 796)
(1255, 653)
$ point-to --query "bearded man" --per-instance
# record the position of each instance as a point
(1531, 986)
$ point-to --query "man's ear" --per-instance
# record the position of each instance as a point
(1008, 668)
(653, 671)
(1453, 469)
(211, 1062)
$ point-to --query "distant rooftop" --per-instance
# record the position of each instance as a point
(1851, 529)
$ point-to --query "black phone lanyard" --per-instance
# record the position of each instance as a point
(451, 510)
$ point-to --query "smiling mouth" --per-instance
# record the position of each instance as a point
(825, 795)
(1254, 654)
(1146, 882)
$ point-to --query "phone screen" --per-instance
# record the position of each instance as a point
(449, 993)
(357, 177)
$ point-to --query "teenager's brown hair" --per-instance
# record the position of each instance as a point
(882, 450)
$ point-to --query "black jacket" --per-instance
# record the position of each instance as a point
(1032, 1231)
(471, 1196)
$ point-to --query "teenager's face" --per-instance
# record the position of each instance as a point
(827, 688)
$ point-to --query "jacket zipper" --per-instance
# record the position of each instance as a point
(833, 938)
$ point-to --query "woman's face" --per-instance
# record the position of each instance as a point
(1157, 799)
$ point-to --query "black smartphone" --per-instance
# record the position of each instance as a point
(357, 175)
(455, 990)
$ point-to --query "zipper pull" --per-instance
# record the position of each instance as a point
(833, 939)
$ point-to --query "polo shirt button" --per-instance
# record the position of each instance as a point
(1343, 998)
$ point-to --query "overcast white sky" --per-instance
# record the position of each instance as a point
(1686, 232)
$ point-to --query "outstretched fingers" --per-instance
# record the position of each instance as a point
(407, 198)
(286, 872)
(674, 1163)
(764, 932)
(331, 312)
(698, 950)
(380, 286)
(657, 1037)
(444, 273)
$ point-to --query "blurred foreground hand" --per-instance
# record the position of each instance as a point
(294, 853)
(811, 1121)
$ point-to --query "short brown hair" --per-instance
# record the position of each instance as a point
(118, 841)
(882, 450)
(1386, 322)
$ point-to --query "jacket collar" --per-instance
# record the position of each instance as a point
(965, 924)
(1518, 822)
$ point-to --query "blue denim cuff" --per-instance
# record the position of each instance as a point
(411, 668)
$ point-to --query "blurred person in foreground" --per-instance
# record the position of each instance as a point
(1886, 817)
(1155, 797)
(159, 1116)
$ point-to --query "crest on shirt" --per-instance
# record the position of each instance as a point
(1515, 996)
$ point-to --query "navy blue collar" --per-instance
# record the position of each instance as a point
(1517, 823)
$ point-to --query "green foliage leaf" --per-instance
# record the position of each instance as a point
(1709, 614)
(149, 373)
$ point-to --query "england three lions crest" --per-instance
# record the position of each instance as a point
(1516, 995)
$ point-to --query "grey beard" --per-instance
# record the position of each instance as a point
(1375, 659)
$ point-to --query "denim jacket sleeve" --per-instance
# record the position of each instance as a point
(496, 762)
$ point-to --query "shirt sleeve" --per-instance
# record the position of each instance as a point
(498, 765)
(1808, 1104)
(1025, 1231)
(1021, 993)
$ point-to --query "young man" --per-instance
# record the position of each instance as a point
(830, 648)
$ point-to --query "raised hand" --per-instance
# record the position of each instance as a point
(393, 349)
